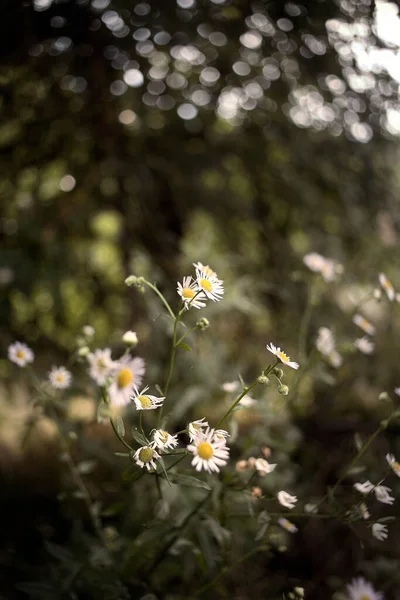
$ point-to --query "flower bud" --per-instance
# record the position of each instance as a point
(384, 396)
(256, 492)
(88, 331)
(241, 466)
(377, 294)
(84, 351)
(132, 280)
(251, 462)
(283, 389)
(263, 380)
(130, 338)
(277, 372)
(203, 324)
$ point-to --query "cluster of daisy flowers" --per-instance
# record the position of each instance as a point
(20, 354)
(195, 291)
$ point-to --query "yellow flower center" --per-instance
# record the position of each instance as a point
(124, 378)
(396, 466)
(284, 357)
(205, 450)
(365, 323)
(60, 378)
(163, 436)
(188, 293)
(365, 597)
(146, 454)
(206, 285)
(145, 401)
(21, 354)
(208, 271)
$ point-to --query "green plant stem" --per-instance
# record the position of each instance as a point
(160, 295)
(188, 332)
(121, 439)
(177, 462)
(171, 364)
(141, 424)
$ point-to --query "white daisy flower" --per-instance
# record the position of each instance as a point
(365, 325)
(286, 524)
(379, 531)
(336, 359)
(314, 261)
(282, 356)
(365, 487)
(145, 401)
(126, 379)
(196, 427)
(101, 365)
(209, 453)
(397, 391)
(60, 378)
(221, 434)
(286, 499)
(387, 286)
(393, 463)
(146, 457)
(263, 467)
(325, 342)
(382, 494)
(205, 269)
(20, 354)
(187, 290)
(130, 338)
(365, 345)
(163, 440)
(231, 386)
(360, 589)
(213, 288)
(364, 511)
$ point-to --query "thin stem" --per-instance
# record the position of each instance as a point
(171, 364)
(163, 300)
(121, 439)
(234, 405)
(189, 331)
(141, 423)
(176, 462)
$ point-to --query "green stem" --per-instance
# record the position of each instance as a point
(189, 331)
(171, 364)
(176, 462)
(163, 300)
(121, 439)
(141, 423)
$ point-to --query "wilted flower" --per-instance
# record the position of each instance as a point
(60, 378)
(387, 286)
(163, 440)
(191, 297)
(263, 467)
(146, 457)
(209, 453)
(360, 589)
(379, 531)
(145, 401)
(393, 463)
(282, 356)
(382, 494)
(101, 365)
(204, 269)
(196, 427)
(365, 345)
(286, 499)
(325, 341)
(286, 524)
(365, 487)
(365, 325)
(20, 354)
(128, 377)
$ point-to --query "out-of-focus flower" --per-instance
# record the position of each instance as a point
(247, 401)
(360, 589)
(126, 380)
(387, 286)
(130, 338)
(209, 453)
(364, 324)
(364, 511)
(284, 358)
(325, 342)
(145, 401)
(286, 499)
(204, 269)
(60, 378)
(88, 331)
(100, 365)
(336, 359)
(326, 266)
(365, 345)
(286, 524)
(365, 487)
(263, 467)
(196, 427)
(146, 457)
(256, 492)
(393, 463)
(382, 494)
(231, 386)
(397, 391)
(191, 297)
(379, 531)
(20, 354)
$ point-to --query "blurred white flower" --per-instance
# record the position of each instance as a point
(360, 589)
(379, 531)
(163, 440)
(126, 379)
(221, 434)
(209, 453)
(196, 427)
(365, 325)
(364, 511)
(247, 401)
(146, 457)
(60, 378)
(382, 494)
(393, 463)
(336, 359)
(397, 391)
(88, 331)
(284, 358)
(286, 499)
(263, 467)
(286, 524)
(101, 365)
(365, 345)
(130, 338)
(20, 354)
(365, 487)
(387, 286)
(326, 266)
(145, 401)
(325, 342)
(231, 386)
(191, 297)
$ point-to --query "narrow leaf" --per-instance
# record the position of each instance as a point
(138, 437)
(185, 347)
(120, 426)
(188, 480)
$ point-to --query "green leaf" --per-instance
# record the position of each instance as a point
(164, 470)
(159, 390)
(120, 426)
(242, 381)
(188, 480)
(60, 553)
(184, 347)
(138, 437)
(103, 413)
(124, 454)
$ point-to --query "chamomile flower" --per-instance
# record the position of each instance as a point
(145, 401)
(127, 377)
(100, 365)
(146, 457)
(360, 589)
(212, 287)
(382, 494)
(387, 286)
(20, 354)
(365, 325)
(263, 467)
(393, 463)
(205, 269)
(286, 499)
(282, 356)
(163, 440)
(209, 453)
(60, 378)
(325, 342)
(189, 292)
(196, 427)
(287, 525)
(365, 487)
(365, 345)
(379, 531)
